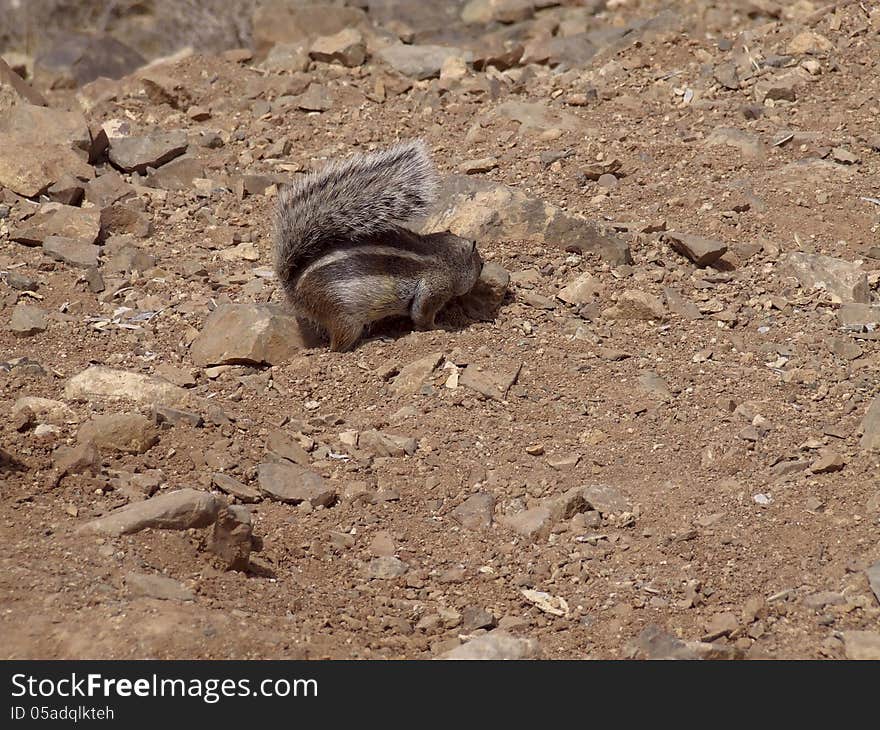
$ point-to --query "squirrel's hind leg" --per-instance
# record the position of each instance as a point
(343, 336)
(425, 305)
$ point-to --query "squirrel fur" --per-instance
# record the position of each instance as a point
(346, 260)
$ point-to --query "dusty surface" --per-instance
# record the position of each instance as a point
(727, 428)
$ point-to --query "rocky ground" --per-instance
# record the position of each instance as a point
(652, 431)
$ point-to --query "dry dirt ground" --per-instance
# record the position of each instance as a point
(718, 423)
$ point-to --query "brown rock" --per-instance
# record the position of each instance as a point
(179, 510)
(232, 538)
(65, 221)
(412, 376)
(71, 251)
(136, 154)
(241, 492)
(346, 47)
(476, 512)
(292, 484)
(27, 320)
(702, 251)
(127, 432)
(157, 586)
(254, 334)
(634, 304)
(841, 278)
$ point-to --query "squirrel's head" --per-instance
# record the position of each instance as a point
(471, 265)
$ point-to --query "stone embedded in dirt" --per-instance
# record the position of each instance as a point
(136, 154)
(316, 98)
(583, 290)
(29, 164)
(284, 446)
(97, 381)
(13, 85)
(232, 537)
(871, 427)
(46, 410)
(781, 87)
(748, 144)
(635, 304)
(122, 219)
(21, 281)
(496, 645)
(483, 301)
(479, 209)
(654, 385)
(235, 488)
(534, 523)
(413, 375)
(418, 62)
(380, 444)
(65, 221)
(873, 575)
(844, 156)
(27, 320)
(178, 174)
(474, 618)
(606, 499)
(72, 251)
(720, 624)
(679, 305)
(477, 512)
(656, 643)
(347, 47)
(83, 457)
(287, 57)
(107, 189)
(828, 461)
(535, 117)
(858, 317)
(476, 167)
(862, 645)
(290, 483)
(179, 510)
(489, 383)
(279, 21)
(702, 251)
(176, 416)
(251, 334)
(386, 567)
(143, 585)
(75, 59)
(726, 75)
(67, 191)
(44, 123)
(808, 42)
(127, 432)
(840, 278)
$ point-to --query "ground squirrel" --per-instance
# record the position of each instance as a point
(343, 256)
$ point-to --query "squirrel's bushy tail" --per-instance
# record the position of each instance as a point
(351, 200)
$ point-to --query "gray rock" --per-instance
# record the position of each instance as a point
(288, 57)
(748, 144)
(65, 221)
(418, 62)
(489, 383)
(178, 174)
(284, 22)
(252, 334)
(107, 189)
(871, 427)
(42, 122)
(72, 251)
(179, 510)
(30, 164)
(284, 446)
(582, 290)
(347, 47)
(27, 320)
(136, 154)
(702, 251)
(482, 210)
(98, 382)
(241, 492)
(386, 567)
(381, 444)
(292, 484)
(127, 432)
(862, 645)
(483, 301)
(841, 278)
(316, 98)
(74, 59)
(232, 537)
(413, 375)
(157, 586)
(858, 317)
(477, 512)
(635, 304)
(496, 645)
(873, 573)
